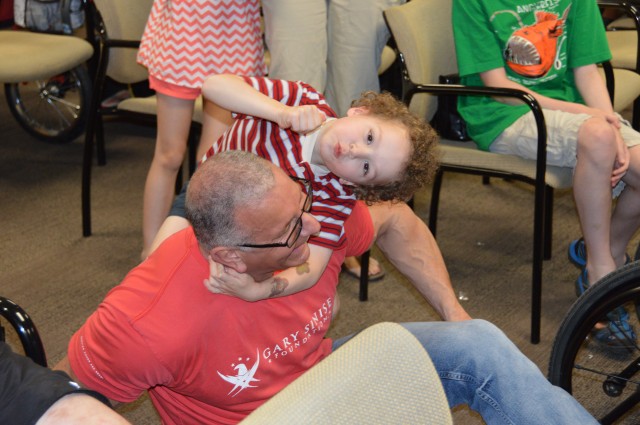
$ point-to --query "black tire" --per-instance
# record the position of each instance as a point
(53, 110)
(604, 378)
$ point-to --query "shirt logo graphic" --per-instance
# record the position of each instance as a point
(531, 50)
(244, 377)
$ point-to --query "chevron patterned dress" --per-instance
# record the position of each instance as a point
(185, 41)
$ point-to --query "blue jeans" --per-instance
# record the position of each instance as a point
(481, 367)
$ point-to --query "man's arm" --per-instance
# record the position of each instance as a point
(65, 366)
(407, 242)
(80, 409)
(30, 392)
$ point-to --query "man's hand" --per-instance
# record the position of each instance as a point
(301, 119)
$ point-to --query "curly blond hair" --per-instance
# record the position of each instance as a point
(422, 163)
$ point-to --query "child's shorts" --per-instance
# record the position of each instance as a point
(173, 90)
(521, 138)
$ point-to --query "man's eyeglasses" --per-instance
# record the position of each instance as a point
(297, 228)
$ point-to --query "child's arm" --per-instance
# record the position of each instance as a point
(295, 279)
(232, 92)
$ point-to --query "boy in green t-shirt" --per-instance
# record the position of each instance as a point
(550, 49)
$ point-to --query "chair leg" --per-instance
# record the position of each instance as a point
(635, 120)
(87, 161)
(538, 255)
(192, 148)
(100, 149)
(435, 200)
(364, 276)
(548, 222)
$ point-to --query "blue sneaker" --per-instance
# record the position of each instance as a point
(578, 253)
(618, 332)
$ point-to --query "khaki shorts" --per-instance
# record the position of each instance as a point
(521, 138)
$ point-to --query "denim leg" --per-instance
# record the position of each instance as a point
(481, 367)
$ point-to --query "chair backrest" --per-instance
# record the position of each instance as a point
(124, 20)
(383, 375)
(423, 33)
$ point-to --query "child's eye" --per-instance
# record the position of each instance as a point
(365, 167)
(369, 138)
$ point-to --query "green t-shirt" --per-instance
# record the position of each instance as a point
(538, 43)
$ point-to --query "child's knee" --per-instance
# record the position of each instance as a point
(596, 132)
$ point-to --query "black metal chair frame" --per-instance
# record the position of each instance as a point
(26, 330)
(102, 43)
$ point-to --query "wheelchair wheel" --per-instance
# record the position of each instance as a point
(603, 376)
(53, 110)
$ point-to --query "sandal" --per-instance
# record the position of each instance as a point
(618, 332)
(578, 253)
(355, 271)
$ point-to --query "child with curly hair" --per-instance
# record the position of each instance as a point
(378, 152)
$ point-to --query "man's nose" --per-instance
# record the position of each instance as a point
(310, 226)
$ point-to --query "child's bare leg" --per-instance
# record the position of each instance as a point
(407, 242)
(171, 225)
(596, 152)
(174, 121)
(626, 216)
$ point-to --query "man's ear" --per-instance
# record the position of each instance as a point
(229, 257)
(358, 110)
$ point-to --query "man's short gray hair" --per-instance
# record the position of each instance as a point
(223, 184)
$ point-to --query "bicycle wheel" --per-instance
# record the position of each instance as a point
(53, 110)
(603, 377)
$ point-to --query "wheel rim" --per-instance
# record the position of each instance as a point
(49, 107)
(605, 377)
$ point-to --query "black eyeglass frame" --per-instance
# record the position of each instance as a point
(297, 228)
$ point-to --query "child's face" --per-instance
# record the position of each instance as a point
(363, 149)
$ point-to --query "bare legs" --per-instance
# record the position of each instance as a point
(174, 121)
(606, 236)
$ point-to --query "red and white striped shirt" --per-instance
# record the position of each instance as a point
(332, 203)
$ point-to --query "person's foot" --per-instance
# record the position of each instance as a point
(351, 266)
(618, 332)
(578, 253)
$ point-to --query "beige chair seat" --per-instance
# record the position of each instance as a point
(148, 106)
(467, 155)
(381, 376)
(28, 56)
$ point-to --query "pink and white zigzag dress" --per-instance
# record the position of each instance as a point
(185, 41)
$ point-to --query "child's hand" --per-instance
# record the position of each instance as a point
(621, 163)
(223, 280)
(302, 119)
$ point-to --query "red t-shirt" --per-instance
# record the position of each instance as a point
(203, 357)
